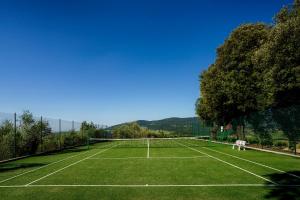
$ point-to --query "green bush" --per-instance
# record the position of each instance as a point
(70, 139)
(6, 147)
(252, 140)
(50, 143)
(231, 139)
(6, 140)
(34, 136)
(281, 144)
(266, 142)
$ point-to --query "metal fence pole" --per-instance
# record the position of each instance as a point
(73, 129)
(59, 127)
(81, 129)
(194, 133)
(192, 127)
(15, 135)
(41, 134)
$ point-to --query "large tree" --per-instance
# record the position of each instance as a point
(210, 106)
(229, 87)
(257, 69)
(280, 57)
(240, 74)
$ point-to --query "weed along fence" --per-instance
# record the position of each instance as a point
(24, 134)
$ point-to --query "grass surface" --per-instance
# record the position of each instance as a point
(179, 169)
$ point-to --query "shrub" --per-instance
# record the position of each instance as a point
(281, 144)
(231, 139)
(266, 142)
(50, 143)
(6, 147)
(252, 140)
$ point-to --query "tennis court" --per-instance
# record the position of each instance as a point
(178, 168)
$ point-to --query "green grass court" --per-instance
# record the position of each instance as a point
(152, 169)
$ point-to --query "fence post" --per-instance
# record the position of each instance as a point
(88, 140)
(191, 128)
(81, 129)
(59, 132)
(15, 134)
(73, 129)
(41, 134)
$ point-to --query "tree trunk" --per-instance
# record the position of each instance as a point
(260, 143)
(243, 131)
(213, 132)
(238, 132)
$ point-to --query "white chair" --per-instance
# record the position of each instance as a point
(239, 144)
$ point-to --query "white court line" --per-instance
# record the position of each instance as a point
(260, 164)
(127, 158)
(122, 158)
(178, 157)
(69, 166)
(228, 163)
(148, 152)
(146, 185)
(42, 167)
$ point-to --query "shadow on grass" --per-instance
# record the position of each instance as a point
(71, 150)
(288, 186)
(14, 166)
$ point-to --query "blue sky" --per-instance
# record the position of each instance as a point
(114, 61)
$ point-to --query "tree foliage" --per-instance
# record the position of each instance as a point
(256, 69)
(281, 56)
(93, 131)
(134, 130)
(228, 87)
(131, 130)
(33, 132)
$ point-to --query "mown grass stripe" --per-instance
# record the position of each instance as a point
(256, 163)
(146, 185)
(229, 164)
(33, 170)
(68, 166)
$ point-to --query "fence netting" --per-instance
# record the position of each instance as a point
(25, 134)
(166, 128)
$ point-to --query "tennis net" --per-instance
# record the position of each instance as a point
(178, 142)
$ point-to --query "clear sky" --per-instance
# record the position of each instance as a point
(114, 61)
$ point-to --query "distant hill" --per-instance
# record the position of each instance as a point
(182, 126)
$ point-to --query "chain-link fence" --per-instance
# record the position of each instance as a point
(182, 127)
(25, 134)
(170, 127)
(274, 128)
